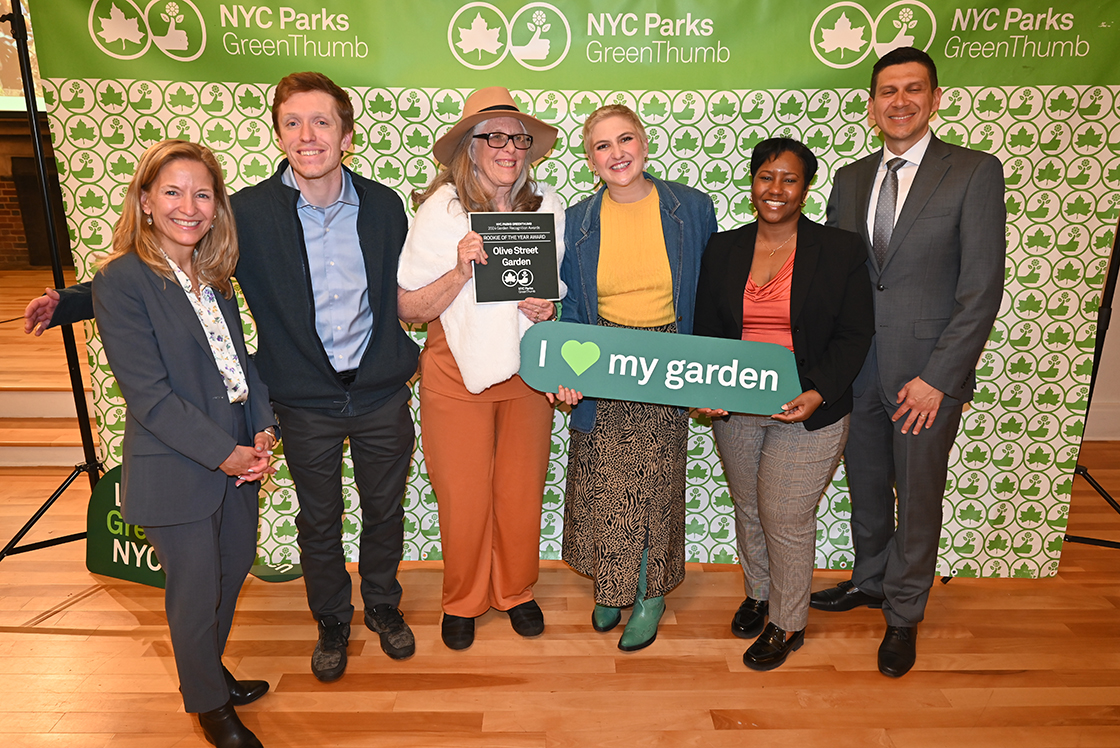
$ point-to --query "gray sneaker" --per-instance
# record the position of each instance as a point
(328, 661)
(388, 623)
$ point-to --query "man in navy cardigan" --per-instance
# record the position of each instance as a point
(318, 266)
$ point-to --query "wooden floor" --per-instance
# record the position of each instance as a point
(85, 660)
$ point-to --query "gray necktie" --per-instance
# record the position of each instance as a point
(884, 211)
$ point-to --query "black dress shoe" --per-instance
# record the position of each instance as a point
(223, 728)
(242, 692)
(527, 619)
(844, 596)
(457, 632)
(772, 648)
(750, 617)
(898, 650)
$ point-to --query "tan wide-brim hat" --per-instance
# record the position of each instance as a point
(490, 103)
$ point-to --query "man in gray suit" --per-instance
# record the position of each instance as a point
(932, 215)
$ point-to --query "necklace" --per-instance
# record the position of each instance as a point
(775, 249)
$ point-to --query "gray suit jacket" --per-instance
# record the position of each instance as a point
(941, 283)
(179, 424)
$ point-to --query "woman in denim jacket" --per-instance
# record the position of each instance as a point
(633, 260)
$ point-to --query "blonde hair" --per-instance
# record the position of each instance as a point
(215, 255)
(611, 110)
(462, 173)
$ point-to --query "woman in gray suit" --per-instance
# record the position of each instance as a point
(198, 425)
(785, 280)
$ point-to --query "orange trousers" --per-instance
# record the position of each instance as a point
(487, 462)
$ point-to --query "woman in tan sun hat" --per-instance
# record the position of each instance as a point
(486, 433)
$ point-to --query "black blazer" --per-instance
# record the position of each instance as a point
(831, 313)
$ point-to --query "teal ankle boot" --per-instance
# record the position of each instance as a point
(641, 629)
(605, 618)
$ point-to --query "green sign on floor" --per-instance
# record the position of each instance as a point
(115, 548)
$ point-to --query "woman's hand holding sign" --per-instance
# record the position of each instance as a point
(469, 251)
(800, 407)
(564, 395)
(795, 411)
(712, 413)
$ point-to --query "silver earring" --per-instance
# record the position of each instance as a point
(149, 219)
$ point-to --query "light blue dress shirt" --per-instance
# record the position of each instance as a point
(338, 274)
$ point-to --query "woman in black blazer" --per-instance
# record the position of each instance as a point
(198, 425)
(785, 279)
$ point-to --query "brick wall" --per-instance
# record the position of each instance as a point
(13, 242)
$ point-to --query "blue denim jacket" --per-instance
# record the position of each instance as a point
(688, 218)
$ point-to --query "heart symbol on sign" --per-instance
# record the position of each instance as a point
(580, 356)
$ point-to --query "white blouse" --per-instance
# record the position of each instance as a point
(217, 333)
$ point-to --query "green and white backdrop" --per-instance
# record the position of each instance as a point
(1031, 84)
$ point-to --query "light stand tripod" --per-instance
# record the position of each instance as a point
(91, 466)
(1103, 317)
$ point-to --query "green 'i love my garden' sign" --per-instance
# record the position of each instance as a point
(654, 367)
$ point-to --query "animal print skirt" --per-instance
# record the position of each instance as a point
(626, 492)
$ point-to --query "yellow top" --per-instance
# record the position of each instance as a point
(635, 282)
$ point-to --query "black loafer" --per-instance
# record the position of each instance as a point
(457, 632)
(898, 651)
(242, 692)
(527, 619)
(842, 597)
(223, 728)
(750, 618)
(772, 648)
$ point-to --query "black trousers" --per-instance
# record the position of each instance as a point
(381, 445)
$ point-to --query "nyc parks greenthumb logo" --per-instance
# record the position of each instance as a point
(538, 36)
(652, 367)
(844, 33)
(121, 29)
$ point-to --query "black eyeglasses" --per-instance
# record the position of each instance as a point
(521, 141)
